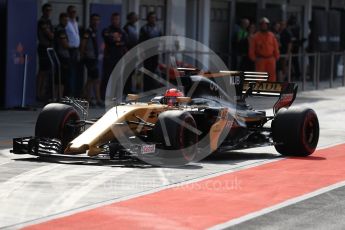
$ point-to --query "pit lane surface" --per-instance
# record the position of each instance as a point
(33, 191)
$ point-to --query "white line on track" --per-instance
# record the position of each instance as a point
(16, 182)
(278, 206)
(16, 185)
(162, 176)
(239, 166)
(67, 200)
(4, 163)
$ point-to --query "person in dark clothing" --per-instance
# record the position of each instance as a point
(285, 49)
(297, 42)
(115, 39)
(285, 39)
(131, 30)
(311, 49)
(246, 64)
(233, 35)
(249, 64)
(133, 40)
(62, 50)
(148, 31)
(242, 44)
(75, 79)
(45, 34)
(276, 31)
(89, 55)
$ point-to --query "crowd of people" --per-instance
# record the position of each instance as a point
(78, 49)
(267, 48)
(261, 49)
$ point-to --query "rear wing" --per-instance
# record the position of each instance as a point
(257, 84)
(285, 91)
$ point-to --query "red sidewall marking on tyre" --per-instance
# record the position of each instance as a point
(69, 115)
(216, 200)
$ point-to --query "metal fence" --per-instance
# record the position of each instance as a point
(329, 64)
(318, 70)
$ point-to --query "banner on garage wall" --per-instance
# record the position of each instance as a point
(21, 39)
(334, 30)
(105, 11)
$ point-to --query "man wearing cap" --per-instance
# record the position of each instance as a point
(264, 50)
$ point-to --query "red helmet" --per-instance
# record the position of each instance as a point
(171, 95)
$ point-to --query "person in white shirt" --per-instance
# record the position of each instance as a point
(72, 30)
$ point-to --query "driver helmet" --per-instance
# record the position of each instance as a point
(171, 95)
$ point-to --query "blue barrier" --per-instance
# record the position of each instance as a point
(21, 39)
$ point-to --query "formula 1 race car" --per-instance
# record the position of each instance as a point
(175, 129)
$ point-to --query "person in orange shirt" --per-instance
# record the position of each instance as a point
(264, 50)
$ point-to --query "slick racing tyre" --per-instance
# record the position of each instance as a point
(54, 120)
(295, 131)
(176, 131)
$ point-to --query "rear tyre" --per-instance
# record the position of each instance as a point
(176, 131)
(295, 131)
(53, 122)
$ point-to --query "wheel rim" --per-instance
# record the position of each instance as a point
(311, 130)
(66, 132)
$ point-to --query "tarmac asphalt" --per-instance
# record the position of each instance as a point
(34, 190)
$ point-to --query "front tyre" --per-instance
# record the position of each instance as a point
(54, 120)
(177, 132)
(295, 131)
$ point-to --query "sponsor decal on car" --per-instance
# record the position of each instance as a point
(145, 149)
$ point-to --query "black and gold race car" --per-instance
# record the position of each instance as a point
(182, 125)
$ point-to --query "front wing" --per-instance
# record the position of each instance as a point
(43, 147)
